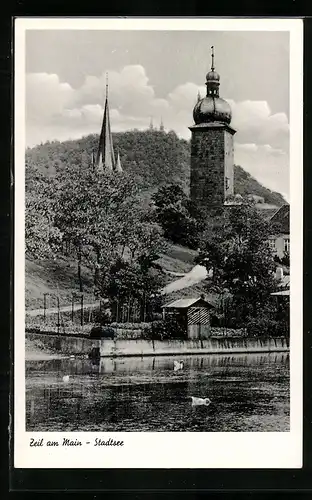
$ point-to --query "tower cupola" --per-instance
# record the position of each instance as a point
(212, 108)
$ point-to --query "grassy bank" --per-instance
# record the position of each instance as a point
(59, 276)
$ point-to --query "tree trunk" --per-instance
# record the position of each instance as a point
(97, 268)
(79, 267)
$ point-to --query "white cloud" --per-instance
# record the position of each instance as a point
(55, 110)
(46, 97)
(254, 121)
(268, 165)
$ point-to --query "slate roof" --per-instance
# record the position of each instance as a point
(185, 303)
(283, 292)
(281, 219)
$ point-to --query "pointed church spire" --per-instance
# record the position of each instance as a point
(151, 125)
(118, 164)
(105, 159)
(198, 96)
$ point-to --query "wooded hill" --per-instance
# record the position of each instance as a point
(153, 157)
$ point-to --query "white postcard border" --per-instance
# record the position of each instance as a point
(177, 449)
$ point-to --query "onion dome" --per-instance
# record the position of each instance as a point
(212, 108)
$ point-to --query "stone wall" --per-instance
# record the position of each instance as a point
(64, 344)
(73, 345)
(220, 345)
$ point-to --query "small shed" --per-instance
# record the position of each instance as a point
(193, 314)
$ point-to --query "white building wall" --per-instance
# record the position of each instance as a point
(280, 244)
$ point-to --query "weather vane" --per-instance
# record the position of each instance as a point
(212, 58)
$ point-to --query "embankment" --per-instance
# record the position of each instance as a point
(74, 345)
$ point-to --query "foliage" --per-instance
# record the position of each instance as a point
(42, 238)
(167, 328)
(234, 246)
(130, 279)
(106, 221)
(173, 213)
(284, 261)
(100, 216)
(153, 158)
(271, 320)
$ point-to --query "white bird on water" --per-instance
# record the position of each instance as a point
(66, 378)
(178, 365)
(200, 401)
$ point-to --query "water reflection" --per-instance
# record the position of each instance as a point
(249, 392)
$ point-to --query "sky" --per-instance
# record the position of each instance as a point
(158, 74)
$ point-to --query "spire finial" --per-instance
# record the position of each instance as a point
(106, 84)
(212, 58)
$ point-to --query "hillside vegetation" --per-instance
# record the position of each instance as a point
(154, 158)
(59, 276)
(93, 234)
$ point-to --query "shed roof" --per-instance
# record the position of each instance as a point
(282, 292)
(185, 303)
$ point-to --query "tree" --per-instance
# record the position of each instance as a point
(234, 246)
(95, 213)
(173, 212)
(42, 237)
(106, 221)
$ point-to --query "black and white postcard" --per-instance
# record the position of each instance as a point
(158, 243)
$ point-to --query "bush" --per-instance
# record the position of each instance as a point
(271, 321)
(102, 316)
(100, 332)
(165, 330)
(129, 326)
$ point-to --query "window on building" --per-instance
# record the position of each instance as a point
(286, 245)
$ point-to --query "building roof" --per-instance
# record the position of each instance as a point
(281, 219)
(285, 293)
(285, 282)
(267, 213)
(185, 303)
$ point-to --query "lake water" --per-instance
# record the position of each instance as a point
(248, 392)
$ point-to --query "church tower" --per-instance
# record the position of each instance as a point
(105, 159)
(212, 148)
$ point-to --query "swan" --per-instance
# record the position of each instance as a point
(178, 365)
(200, 401)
